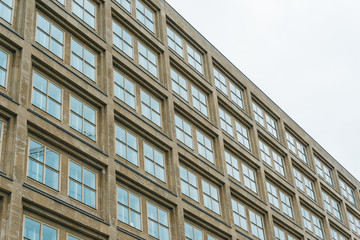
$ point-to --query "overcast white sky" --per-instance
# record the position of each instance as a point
(304, 54)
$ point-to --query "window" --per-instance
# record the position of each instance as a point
(83, 118)
(226, 122)
(158, 221)
(126, 145)
(232, 166)
(175, 42)
(124, 89)
(296, 147)
(324, 171)
(220, 81)
(129, 211)
(304, 184)
(194, 59)
(49, 36)
(242, 135)
(4, 57)
(236, 95)
(148, 59)
(282, 235)
(347, 192)
(82, 184)
(192, 233)
(249, 178)
(199, 100)
(47, 96)
(354, 223)
(145, 16)
(312, 223)
(205, 147)
(36, 230)
(211, 197)
(273, 159)
(279, 199)
(183, 132)
(332, 206)
(179, 85)
(154, 162)
(265, 120)
(150, 108)
(126, 4)
(189, 184)
(72, 237)
(82, 60)
(44, 165)
(122, 39)
(246, 218)
(335, 235)
(6, 10)
(85, 10)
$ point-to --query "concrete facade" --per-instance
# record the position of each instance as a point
(237, 135)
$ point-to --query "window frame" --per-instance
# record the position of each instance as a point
(314, 227)
(123, 29)
(41, 222)
(322, 169)
(83, 58)
(209, 195)
(129, 207)
(164, 167)
(348, 187)
(151, 109)
(265, 117)
(12, 12)
(304, 178)
(127, 131)
(193, 57)
(94, 4)
(176, 35)
(296, 144)
(125, 78)
(158, 222)
(280, 202)
(148, 61)
(206, 138)
(146, 7)
(272, 155)
(189, 185)
(329, 203)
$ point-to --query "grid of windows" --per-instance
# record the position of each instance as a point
(205, 147)
(82, 184)
(83, 118)
(3, 67)
(347, 192)
(226, 122)
(272, 158)
(179, 85)
(296, 147)
(199, 100)
(211, 197)
(36, 230)
(279, 199)
(85, 10)
(304, 184)
(6, 10)
(282, 235)
(44, 164)
(354, 223)
(154, 162)
(49, 36)
(189, 184)
(265, 120)
(145, 16)
(126, 4)
(122, 39)
(324, 171)
(312, 223)
(335, 235)
(47, 96)
(128, 207)
(158, 222)
(331, 205)
(126, 145)
(124, 89)
(242, 135)
(82, 60)
(175, 42)
(183, 132)
(150, 108)
(194, 59)
(148, 59)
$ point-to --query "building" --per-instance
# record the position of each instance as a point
(120, 121)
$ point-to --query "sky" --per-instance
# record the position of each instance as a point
(304, 54)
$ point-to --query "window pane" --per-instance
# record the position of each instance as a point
(32, 229)
(49, 233)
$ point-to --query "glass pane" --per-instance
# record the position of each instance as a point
(42, 38)
(76, 106)
(39, 100)
(152, 211)
(153, 229)
(75, 171)
(43, 24)
(40, 83)
(32, 229)
(76, 122)
(89, 179)
(75, 190)
(3, 59)
(77, 48)
(134, 202)
(2, 77)
(56, 48)
(78, 10)
(55, 92)
(36, 151)
(5, 12)
(51, 178)
(89, 57)
(123, 196)
(49, 233)
(89, 71)
(90, 197)
(52, 159)
(89, 114)
(57, 34)
(35, 171)
(89, 19)
(54, 109)
(89, 130)
(135, 220)
(164, 233)
(163, 218)
(123, 214)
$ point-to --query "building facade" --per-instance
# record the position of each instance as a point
(118, 120)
